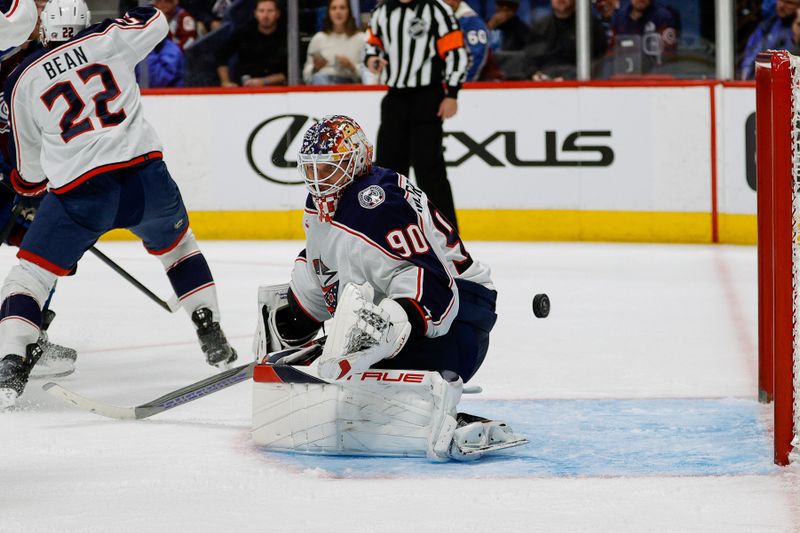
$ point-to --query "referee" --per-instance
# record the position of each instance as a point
(419, 47)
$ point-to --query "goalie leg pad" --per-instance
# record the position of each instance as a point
(372, 417)
(446, 392)
(388, 413)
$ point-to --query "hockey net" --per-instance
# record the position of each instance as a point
(778, 163)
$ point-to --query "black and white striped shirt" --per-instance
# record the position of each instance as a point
(422, 42)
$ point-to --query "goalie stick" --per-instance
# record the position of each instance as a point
(197, 390)
(173, 399)
(186, 394)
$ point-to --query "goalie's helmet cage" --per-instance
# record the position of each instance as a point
(334, 153)
(778, 160)
(61, 20)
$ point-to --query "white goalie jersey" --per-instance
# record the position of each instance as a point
(75, 110)
(387, 233)
(17, 21)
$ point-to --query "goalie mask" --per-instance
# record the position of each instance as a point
(61, 20)
(335, 152)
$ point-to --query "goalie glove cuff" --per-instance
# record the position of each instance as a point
(400, 329)
(416, 317)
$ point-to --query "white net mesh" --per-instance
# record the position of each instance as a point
(795, 68)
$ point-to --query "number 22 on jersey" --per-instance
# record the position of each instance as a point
(71, 127)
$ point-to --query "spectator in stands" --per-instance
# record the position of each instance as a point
(508, 32)
(260, 50)
(218, 13)
(476, 36)
(747, 16)
(182, 26)
(334, 52)
(795, 49)
(551, 51)
(655, 24)
(165, 65)
(774, 33)
(202, 11)
(605, 10)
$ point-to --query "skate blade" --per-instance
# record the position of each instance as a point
(520, 441)
(8, 398)
(223, 366)
(51, 369)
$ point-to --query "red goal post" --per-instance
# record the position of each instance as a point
(778, 163)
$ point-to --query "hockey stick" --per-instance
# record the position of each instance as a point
(173, 399)
(181, 396)
(170, 305)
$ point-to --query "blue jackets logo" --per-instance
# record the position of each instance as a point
(371, 197)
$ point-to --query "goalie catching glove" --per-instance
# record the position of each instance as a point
(362, 333)
(281, 322)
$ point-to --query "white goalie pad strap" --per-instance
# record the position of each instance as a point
(362, 333)
(446, 395)
(270, 298)
(389, 413)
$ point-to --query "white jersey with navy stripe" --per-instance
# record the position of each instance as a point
(75, 110)
(385, 232)
(17, 22)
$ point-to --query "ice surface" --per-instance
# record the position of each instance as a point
(638, 394)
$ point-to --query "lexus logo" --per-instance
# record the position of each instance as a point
(280, 132)
(272, 140)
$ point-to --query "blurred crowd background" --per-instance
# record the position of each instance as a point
(246, 42)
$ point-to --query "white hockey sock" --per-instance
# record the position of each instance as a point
(190, 276)
(24, 291)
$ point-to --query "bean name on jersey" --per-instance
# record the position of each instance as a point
(70, 59)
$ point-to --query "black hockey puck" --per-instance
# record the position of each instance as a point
(541, 305)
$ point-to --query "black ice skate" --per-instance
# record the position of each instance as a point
(212, 340)
(14, 372)
(57, 360)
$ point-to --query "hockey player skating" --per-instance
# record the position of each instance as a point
(17, 20)
(402, 289)
(16, 213)
(78, 128)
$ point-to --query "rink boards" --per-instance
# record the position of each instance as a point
(594, 161)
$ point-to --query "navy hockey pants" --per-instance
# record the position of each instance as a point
(142, 198)
(464, 347)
